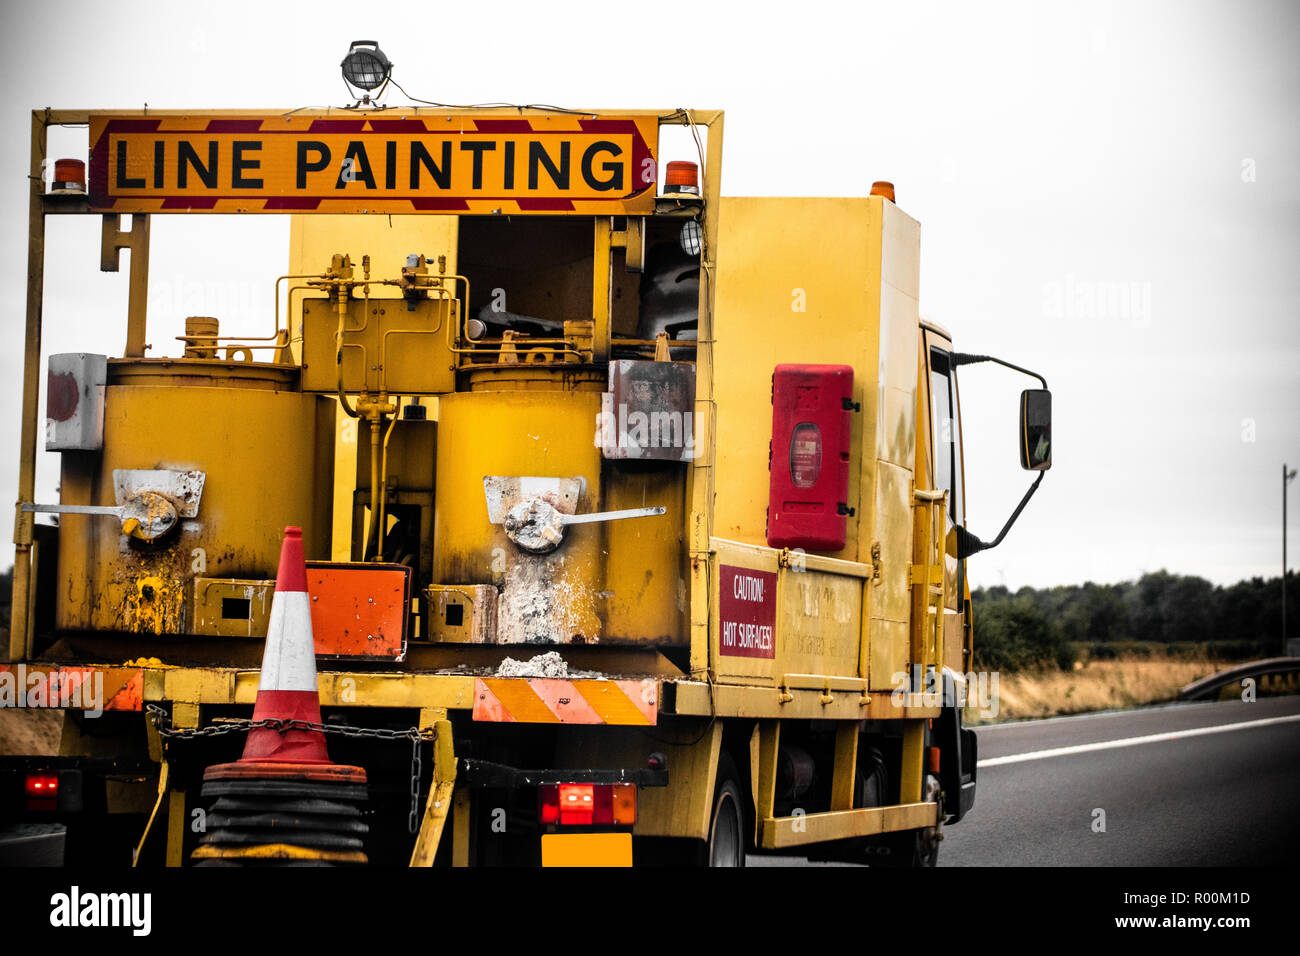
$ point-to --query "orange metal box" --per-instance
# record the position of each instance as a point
(359, 610)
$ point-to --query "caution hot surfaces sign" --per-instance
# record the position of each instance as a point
(374, 163)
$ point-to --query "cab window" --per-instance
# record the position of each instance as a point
(946, 434)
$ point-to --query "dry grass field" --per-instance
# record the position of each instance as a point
(1104, 685)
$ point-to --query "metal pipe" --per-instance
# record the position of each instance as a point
(342, 307)
(383, 480)
(20, 618)
(375, 496)
(289, 300)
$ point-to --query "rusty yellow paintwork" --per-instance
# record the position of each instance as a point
(438, 804)
(264, 451)
(620, 581)
(209, 617)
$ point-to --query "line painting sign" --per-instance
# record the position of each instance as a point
(380, 163)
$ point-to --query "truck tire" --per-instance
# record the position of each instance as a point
(912, 849)
(726, 842)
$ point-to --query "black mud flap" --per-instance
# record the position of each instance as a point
(958, 756)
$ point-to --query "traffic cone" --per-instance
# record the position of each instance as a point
(287, 689)
(283, 802)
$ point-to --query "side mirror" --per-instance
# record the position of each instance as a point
(1036, 429)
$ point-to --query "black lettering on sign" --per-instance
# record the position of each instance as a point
(614, 178)
(188, 157)
(159, 156)
(509, 182)
(239, 163)
(441, 171)
(390, 164)
(537, 156)
(478, 149)
(304, 166)
(355, 166)
(614, 171)
(122, 181)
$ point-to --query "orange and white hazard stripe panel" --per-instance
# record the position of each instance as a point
(551, 701)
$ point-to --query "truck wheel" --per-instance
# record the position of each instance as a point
(914, 848)
(726, 842)
(927, 840)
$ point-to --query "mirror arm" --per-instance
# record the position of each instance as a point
(965, 358)
(968, 544)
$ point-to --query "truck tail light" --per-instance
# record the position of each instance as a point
(934, 759)
(586, 804)
(42, 791)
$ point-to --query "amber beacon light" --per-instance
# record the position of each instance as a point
(69, 176)
(882, 188)
(682, 177)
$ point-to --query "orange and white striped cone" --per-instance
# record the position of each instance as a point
(287, 689)
(284, 801)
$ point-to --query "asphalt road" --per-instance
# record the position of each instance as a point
(31, 844)
(1223, 798)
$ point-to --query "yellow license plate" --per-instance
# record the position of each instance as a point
(586, 849)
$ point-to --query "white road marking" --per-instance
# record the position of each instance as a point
(1134, 741)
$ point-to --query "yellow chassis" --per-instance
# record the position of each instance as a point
(681, 812)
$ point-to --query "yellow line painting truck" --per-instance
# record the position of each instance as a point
(642, 503)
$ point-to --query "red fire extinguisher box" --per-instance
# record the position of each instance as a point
(812, 425)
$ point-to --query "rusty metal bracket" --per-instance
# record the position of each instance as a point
(112, 242)
(438, 804)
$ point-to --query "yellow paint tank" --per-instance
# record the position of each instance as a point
(266, 452)
(611, 582)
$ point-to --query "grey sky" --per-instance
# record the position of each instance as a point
(1109, 194)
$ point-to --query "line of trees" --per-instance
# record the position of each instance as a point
(1159, 613)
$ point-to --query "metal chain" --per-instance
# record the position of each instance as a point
(416, 735)
(413, 821)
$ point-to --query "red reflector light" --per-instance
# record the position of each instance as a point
(42, 791)
(577, 804)
(934, 759)
(587, 804)
(42, 785)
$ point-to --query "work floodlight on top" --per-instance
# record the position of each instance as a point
(365, 67)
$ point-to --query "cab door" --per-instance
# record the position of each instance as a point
(945, 464)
